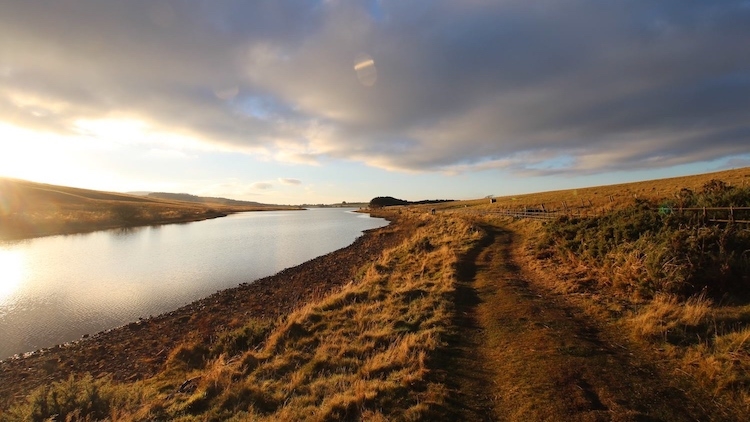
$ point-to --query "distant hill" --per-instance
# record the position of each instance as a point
(30, 209)
(389, 201)
(204, 199)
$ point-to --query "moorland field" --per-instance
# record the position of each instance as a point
(624, 309)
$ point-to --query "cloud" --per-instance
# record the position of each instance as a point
(288, 181)
(581, 86)
(261, 185)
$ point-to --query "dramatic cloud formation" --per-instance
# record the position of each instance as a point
(536, 87)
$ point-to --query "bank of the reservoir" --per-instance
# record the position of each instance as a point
(139, 349)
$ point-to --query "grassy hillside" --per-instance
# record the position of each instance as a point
(205, 199)
(604, 198)
(29, 209)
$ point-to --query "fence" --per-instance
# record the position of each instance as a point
(739, 215)
(531, 214)
(717, 214)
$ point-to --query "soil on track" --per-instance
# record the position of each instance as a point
(524, 354)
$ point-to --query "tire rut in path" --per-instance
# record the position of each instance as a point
(469, 382)
(521, 354)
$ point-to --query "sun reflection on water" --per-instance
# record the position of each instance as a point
(11, 273)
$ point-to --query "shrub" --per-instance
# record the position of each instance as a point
(72, 399)
(647, 251)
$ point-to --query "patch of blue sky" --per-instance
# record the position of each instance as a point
(375, 8)
(254, 106)
(740, 77)
(560, 162)
(260, 107)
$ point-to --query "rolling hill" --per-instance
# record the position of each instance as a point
(30, 209)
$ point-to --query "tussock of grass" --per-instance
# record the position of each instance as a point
(721, 363)
(667, 318)
(76, 399)
(360, 353)
(247, 337)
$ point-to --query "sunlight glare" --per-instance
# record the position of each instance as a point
(27, 154)
(129, 132)
(47, 157)
(11, 273)
(119, 130)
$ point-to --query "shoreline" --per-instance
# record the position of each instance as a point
(139, 349)
(65, 231)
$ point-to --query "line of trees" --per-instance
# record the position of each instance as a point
(388, 201)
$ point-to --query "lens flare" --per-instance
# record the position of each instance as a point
(367, 74)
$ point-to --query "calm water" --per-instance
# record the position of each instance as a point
(55, 289)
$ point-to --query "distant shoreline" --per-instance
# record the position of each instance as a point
(27, 233)
(29, 210)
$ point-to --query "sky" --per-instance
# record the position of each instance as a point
(306, 101)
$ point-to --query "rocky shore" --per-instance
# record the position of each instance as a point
(139, 349)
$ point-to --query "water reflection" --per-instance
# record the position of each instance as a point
(126, 231)
(55, 289)
(11, 273)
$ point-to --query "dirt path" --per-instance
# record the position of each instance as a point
(524, 354)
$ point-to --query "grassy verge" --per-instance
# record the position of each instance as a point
(363, 352)
(675, 284)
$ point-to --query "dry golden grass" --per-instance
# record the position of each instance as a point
(666, 317)
(360, 353)
(29, 209)
(720, 359)
(597, 199)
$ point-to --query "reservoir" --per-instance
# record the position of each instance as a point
(59, 288)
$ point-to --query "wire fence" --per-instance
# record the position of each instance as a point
(702, 215)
